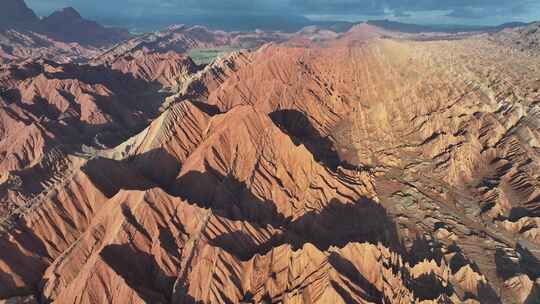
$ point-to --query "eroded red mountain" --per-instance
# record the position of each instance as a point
(50, 110)
(362, 167)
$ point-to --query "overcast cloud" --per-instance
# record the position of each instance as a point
(418, 11)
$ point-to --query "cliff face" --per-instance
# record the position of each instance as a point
(357, 169)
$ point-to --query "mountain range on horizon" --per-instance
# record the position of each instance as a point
(65, 35)
(65, 25)
(17, 14)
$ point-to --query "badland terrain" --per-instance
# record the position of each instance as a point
(366, 166)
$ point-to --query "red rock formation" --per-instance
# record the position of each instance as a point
(51, 109)
(170, 69)
(365, 169)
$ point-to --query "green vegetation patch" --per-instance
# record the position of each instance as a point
(206, 56)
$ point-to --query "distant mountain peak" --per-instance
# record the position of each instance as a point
(65, 25)
(15, 13)
(68, 25)
(68, 13)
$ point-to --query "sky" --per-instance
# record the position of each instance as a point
(471, 12)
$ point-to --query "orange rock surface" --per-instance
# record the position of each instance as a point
(364, 167)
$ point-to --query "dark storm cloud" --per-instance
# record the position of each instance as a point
(159, 6)
(483, 12)
(464, 8)
(401, 14)
(339, 6)
(396, 8)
